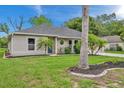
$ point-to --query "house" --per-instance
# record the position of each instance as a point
(25, 42)
(113, 42)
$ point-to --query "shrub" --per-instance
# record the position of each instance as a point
(112, 49)
(2, 51)
(77, 47)
(122, 36)
(67, 50)
(119, 48)
(3, 42)
(1, 54)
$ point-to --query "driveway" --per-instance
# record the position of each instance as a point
(111, 54)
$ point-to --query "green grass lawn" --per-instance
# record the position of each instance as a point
(46, 71)
(115, 52)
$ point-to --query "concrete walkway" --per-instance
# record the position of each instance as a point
(111, 54)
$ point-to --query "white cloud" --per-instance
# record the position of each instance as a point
(38, 9)
(120, 11)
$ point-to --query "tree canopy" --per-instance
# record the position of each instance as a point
(113, 25)
(106, 18)
(95, 43)
(74, 23)
(94, 26)
(4, 28)
(102, 25)
(38, 20)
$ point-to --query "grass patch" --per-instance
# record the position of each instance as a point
(87, 83)
(45, 71)
(115, 52)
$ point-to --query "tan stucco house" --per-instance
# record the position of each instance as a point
(25, 42)
(113, 42)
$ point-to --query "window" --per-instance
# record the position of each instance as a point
(31, 44)
(61, 41)
(70, 42)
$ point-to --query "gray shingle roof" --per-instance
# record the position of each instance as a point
(53, 31)
(113, 39)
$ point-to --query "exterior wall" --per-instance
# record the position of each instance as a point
(19, 46)
(9, 45)
(61, 48)
(110, 44)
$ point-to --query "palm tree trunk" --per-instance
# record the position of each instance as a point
(84, 39)
(98, 50)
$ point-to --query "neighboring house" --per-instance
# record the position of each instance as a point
(113, 42)
(25, 42)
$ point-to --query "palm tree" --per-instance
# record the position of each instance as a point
(84, 39)
(44, 42)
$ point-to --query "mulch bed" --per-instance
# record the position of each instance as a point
(98, 68)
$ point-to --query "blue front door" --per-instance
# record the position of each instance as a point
(50, 50)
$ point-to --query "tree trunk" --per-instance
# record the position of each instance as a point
(84, 39)
(98, 50)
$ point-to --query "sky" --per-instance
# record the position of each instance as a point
(57, 14)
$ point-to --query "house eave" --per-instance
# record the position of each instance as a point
(50, 35)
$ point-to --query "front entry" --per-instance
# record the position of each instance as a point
(50, 50)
